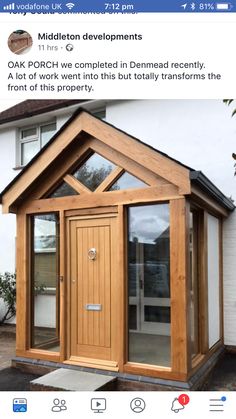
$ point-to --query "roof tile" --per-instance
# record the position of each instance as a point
(28, 108)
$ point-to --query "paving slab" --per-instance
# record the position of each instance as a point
(71, 380)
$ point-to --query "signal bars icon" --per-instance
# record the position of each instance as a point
(70, 5)
(9, 7)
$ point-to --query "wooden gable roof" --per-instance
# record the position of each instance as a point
(109, 141)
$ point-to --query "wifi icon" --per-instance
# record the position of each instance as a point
(70, 5)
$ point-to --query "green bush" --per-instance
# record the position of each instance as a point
(8, 295)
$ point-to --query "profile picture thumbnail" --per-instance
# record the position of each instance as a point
(20, 42)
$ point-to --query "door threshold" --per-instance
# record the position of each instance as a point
(93, 363)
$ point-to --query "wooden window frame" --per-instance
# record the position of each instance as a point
(31, 293)
(204, 351)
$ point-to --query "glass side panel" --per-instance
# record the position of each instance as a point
(44, 282)
(149, 284)
(194, 292)
(62, 190)
(94, 171)
(127, 181)
(213, 275)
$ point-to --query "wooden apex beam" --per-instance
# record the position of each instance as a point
(111, 178)
(163, 166)
(76, 184)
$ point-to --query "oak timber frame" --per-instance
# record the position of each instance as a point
(168, 182)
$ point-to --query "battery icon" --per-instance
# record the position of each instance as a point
(223, 6)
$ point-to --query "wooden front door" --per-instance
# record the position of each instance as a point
(91, 272)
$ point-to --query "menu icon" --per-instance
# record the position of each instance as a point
(217, 404)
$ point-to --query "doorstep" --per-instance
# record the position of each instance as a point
(70, 380)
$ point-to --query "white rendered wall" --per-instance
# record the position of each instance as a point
(198, 133)
(7, 222)
(229, 274)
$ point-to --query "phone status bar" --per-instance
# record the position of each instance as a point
(124, 7)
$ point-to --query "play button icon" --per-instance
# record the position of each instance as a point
(98, 405)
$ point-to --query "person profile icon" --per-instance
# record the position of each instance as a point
(59, 405)
(63, 405)
(137, 405)
(56, 405)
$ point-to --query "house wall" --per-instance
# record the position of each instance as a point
(198, 133)
(7, 222)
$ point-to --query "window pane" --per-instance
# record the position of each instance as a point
(133, 317)
(46, 133)
(149, 284)
(213, 274)
(94, 171)
(100, 113)
(63, 190)
(157, 314)
(194, 292)
(127, 181)
(45, 284)
(29, 132)
(28, 151)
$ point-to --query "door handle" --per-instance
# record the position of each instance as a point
(92, 253)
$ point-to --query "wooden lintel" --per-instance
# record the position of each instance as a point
(132, 196)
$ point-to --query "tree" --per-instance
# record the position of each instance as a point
(92, 177)
(8, 295)
(228, 102)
